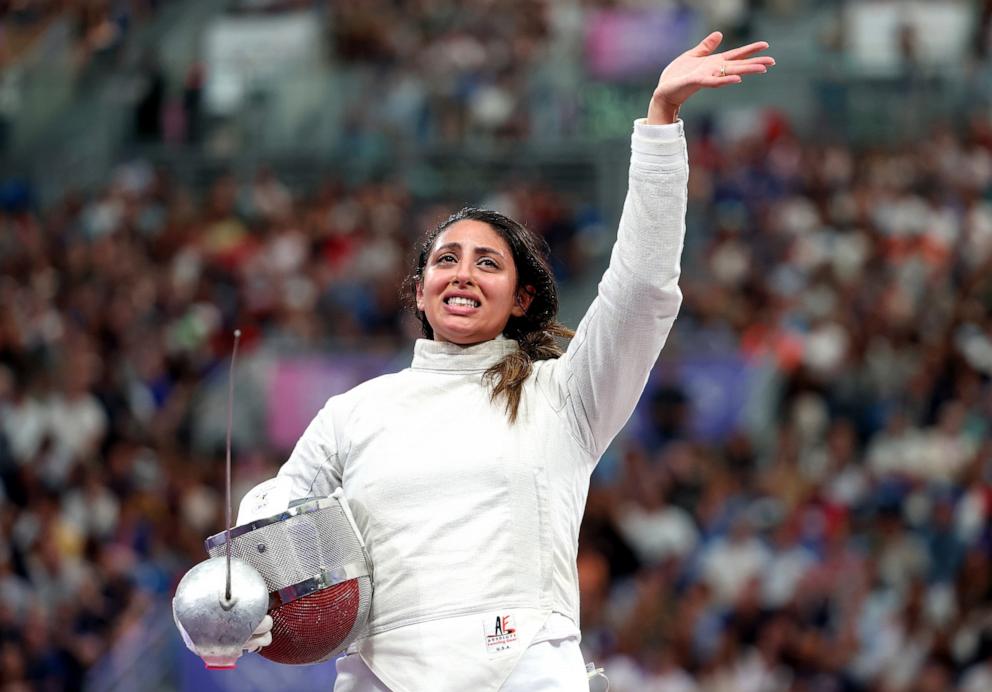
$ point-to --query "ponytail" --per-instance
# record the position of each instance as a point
(506, 378)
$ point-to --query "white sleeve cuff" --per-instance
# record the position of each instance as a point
(669, 132)
(658, 144)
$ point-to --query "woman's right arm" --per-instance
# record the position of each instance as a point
(603, 373)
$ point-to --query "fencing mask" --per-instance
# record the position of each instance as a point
(315, 565)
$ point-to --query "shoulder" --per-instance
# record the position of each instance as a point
(545, 376)
(365, 401)
(544, 368)
(361, 401)
(370, 389)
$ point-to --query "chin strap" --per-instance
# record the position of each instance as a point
(592, 672)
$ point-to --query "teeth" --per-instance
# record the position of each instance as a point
(467, 302)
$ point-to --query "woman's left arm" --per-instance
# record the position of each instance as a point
(603, 373)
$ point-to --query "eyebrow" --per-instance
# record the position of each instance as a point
(479, 250)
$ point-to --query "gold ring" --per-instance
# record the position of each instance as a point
(723, 70)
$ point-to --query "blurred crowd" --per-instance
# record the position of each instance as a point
(418, 72)
(97, 27)
(46, 45)
(450, 68)
(840, 540)
(457, 71)
(443, 71)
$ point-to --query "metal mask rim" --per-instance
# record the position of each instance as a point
(322, 580)
(219, 539)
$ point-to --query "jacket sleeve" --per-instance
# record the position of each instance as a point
(601, 376)
(314, 468)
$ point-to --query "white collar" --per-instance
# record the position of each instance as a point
(442, 356)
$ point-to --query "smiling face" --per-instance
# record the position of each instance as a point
(469, 288)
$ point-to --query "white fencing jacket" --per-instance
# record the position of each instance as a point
(472, 523)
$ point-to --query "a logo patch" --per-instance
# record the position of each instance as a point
(499, 632)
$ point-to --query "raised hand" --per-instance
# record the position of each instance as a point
(700, 67)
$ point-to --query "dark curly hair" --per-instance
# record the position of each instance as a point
(536, 331)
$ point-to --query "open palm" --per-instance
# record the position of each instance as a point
(700, 67)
